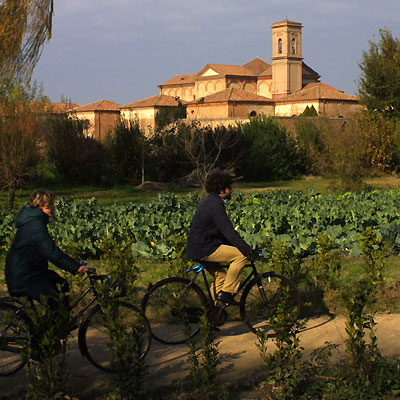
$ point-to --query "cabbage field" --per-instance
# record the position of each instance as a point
(293, 217)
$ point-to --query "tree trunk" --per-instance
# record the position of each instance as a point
(11, 197)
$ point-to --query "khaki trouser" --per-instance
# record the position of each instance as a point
(228, 281)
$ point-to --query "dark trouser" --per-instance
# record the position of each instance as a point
(50, 286)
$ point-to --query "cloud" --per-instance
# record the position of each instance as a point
(126, 47)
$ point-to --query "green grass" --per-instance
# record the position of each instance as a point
(104, 196)
(128, 193)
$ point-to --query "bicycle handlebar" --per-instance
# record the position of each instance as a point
(116, 286)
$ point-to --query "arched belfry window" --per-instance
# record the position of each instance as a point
(293, 46)
(280, 46)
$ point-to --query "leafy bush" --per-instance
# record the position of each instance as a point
(204, 359)
(269, 152)
(168, 115)
(381, 152)
(165, 160)
(79, 159)
(311, 147)
(47, 371)
(126, 146)
(47, 173)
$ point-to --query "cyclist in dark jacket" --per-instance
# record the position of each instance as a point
(26, 269)
(213, 238)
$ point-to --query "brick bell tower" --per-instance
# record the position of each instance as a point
(286, 58)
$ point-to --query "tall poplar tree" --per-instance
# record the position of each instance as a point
(379, 84)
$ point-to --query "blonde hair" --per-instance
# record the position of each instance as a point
(41, 198)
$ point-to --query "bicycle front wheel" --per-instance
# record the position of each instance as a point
(14, 338)
(173, 308)
(95, 333)
(265, 297)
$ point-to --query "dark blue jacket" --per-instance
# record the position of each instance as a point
(212, 227)
(32, 247)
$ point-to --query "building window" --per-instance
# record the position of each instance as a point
(253, 114)
(293, 46)
(280, 46)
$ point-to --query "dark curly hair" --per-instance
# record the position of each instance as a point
(217, 182)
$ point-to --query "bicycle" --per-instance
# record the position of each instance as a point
(173, 305)
(16, 326)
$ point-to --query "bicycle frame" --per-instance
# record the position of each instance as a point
(80, 312)
(201, 267)
(22, 305)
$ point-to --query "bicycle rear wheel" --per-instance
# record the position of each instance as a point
(94, 335)
(173, 308)
(14, 337)
(267, 296)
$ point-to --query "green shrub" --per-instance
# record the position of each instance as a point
(269, 152)
(204, 359)
(126, 146)
(47, 370)
(79, 158)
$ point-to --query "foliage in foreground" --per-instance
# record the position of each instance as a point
(46, 352)
(204, 358)
(364, 373)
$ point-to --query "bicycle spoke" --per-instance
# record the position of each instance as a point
(173, 308)
(264, 298)
(14, 329)
(95, 337)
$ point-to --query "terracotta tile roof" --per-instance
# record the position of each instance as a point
(179, 80)
(101, 105)
(267, 72)
(233, 94)
(61, 107)
(257, 65)
(153, 101)
(225, 69)
(318, 91)
(308, 71)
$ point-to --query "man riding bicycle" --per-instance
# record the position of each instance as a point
(212, 238)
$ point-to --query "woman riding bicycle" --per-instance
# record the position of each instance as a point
(26, 269)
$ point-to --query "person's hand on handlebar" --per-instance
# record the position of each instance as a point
(82, 269)
(255, 255)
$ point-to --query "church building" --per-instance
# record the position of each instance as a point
(221, 94)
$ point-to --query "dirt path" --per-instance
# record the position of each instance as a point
(241, 361)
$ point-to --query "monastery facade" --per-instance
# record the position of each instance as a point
(223, 94)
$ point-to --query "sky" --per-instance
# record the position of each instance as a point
(120, 50)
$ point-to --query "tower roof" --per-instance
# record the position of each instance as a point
(286, 22)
